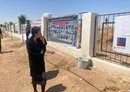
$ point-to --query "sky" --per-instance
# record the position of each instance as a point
(34, 9)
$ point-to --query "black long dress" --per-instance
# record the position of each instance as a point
(36, 59)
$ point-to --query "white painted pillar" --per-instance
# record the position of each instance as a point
(88, 29)
(44, 26)
(13, 28)
(19, 29)
(44, 23)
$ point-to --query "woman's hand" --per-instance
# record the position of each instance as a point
(42, 39)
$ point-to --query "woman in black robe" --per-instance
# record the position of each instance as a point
(1, 36)
(28, 30)
(36, 47)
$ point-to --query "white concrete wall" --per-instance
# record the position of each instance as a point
(19, 36)
(88, 29)
(17, 28)
(108, 66)
(12, 28)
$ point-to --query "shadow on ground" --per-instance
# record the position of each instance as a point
(57, 88)
(52, 74)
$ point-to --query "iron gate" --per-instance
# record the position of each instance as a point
(104, 41)
(63, 29)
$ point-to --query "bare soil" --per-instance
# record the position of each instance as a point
(61, 70)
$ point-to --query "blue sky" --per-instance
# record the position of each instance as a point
(34, 9)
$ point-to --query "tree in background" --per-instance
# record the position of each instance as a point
(22, 21)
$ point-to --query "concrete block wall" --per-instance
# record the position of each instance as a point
(88, 29)
(88, 37)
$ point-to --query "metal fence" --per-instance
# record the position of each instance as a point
(104, 41)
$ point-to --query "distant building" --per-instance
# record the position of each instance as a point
(36, 23)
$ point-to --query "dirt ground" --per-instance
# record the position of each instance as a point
(61, 70)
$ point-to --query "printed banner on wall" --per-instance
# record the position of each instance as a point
(121, 41)
(63, 28)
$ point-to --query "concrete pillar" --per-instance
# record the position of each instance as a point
(19, 29)
(8, 27)
(13, 28)
(88, 29)
(44, 26)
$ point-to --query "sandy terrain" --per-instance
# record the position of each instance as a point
(62, 73)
